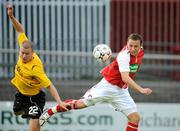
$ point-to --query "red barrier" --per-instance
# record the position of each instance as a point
(158, 21)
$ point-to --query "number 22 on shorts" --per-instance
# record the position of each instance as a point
(33, 110)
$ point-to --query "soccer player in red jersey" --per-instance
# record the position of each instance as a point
(113, 88)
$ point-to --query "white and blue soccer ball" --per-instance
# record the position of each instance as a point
(102, 52)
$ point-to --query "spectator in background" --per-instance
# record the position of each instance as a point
(29, 78)
(113, 88)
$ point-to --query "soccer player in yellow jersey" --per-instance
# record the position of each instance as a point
(29, 78)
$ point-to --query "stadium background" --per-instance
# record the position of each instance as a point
(64, 32)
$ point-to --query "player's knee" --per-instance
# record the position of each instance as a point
(71, 102)
(134, 117)
(34, 125)
(75, 104)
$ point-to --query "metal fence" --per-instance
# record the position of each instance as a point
(63, 32)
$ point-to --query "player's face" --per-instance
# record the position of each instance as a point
(133, 46)
(26, 54)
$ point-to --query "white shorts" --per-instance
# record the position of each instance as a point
(104, 92)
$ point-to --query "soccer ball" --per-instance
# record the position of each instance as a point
(102, 52)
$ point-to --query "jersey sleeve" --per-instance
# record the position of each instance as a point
(41, 76)
(123, 60)
(21, 38)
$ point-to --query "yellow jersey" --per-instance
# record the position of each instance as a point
(29, 77)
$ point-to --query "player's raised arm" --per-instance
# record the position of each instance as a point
(15, 22)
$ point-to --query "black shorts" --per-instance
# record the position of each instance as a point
(29, 106)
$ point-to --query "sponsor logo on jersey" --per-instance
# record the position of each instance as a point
(134, 68)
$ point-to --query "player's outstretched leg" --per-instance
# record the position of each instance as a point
(51, 111)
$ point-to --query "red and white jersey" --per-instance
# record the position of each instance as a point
(124, 62)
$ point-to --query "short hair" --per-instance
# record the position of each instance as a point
(136, 36)
(27, 44)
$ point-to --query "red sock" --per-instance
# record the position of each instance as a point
(132, 127)
(58, 108)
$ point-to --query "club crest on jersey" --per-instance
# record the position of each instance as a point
(19, 71)
(134, 68)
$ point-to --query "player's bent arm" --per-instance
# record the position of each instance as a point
(17, 25)
(131, 83)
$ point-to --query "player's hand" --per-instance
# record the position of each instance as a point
(10, 10)
(146, 91)
(65, 106)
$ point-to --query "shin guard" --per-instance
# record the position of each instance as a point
(132, 127)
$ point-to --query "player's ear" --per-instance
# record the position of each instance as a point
(141, 43)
